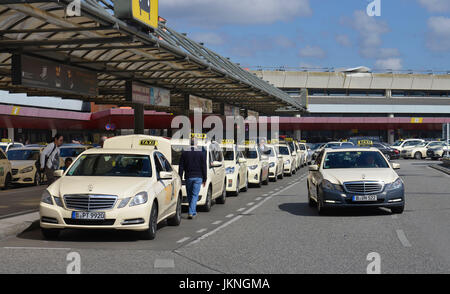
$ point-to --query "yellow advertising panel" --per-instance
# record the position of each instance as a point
(416, 120)
(145, 11)
(15, 110)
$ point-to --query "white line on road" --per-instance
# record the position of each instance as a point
(241, 209)
(217, 222)
(230, 216)
(37, 248)
(402, 237)
(258, 198)
(201, 231)
(183, 240)
(250, 204)
(265, 195)
(164, 263)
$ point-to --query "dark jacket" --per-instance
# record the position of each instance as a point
(193, 164)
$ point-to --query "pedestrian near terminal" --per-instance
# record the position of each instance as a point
(49, 159)
(193, 165)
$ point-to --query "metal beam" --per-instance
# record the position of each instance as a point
(28, 43)
(57, 30)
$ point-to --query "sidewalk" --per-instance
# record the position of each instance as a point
(15, 225)
(443, 167)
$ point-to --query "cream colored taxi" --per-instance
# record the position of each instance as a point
(303, 150)
(288, 163)
(354, 177)
(5, 171)
(420, 151)
(276, 165)
(25, 165)
(257, 164)
(294, 153)
(127, 185)
(214, 189)
(235, 168)
(402, 144)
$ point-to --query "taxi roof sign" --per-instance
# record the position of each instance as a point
(6, 140)
(140, 142)
(144, 12)
(227, 141)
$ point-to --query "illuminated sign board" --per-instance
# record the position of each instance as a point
(143, 11)
(147, 95)
(40, 73)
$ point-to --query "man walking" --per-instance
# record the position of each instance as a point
(193, 165)
(49, 159)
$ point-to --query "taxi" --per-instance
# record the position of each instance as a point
(276, 165)
(402, 144)
(70, 151)
(355, 177)
(6, 144)
(257, 164)
(288, 164)
(235, 168)
(5, 171)
(303, 150)
(127, 185)
(25, 165)
(420, 151)
(294, 153)
(215, 188)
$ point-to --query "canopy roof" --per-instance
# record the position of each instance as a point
(119, 51)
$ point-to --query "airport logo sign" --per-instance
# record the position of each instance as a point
(143, 11)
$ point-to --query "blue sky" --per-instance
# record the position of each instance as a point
(409, 34)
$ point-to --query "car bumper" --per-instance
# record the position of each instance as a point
(335, 199)
(287, 168)
(273, 172)
(55, 217)
(232, 182)
(253, 176)
(26, 178)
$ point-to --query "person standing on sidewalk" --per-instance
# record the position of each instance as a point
(49, 159)
(193, 165)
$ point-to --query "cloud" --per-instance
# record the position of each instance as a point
(389, 63)
(343, 40)
(312, 52)
(436, 5)
(209, 38)
(438, 38)
(236, 12)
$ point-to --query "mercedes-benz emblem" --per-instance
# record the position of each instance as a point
(90, 187)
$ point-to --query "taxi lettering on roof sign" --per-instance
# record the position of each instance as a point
(227, 141)
(6, 141)
(149, 143)
(289, 140)
(198, 136)
(365, 142)
(303, 141)
(249, 142)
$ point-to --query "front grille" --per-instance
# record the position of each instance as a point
(90, 202)
(14, 171)
(81, 222)
(364, 187)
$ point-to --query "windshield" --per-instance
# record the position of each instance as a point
(112, 165)
(316, 146)
(398, 143)
(434, 144)
(270, 152)
(284, 150)
(331, 145)
(71, 152)
(228, 154)
(354, 159)
(23, 155)
(251, 153)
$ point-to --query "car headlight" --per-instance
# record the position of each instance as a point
(124, 202)
(58, 201)
(253, 167)
(287, 162)
(330, 186)
(272, 164)
(46, 198)
(139, 199)
(26, 170)
(229, 170)
(398, 184)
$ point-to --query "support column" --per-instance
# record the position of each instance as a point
(391, 133)
(11, 134)
(138, 119)
(54, 132)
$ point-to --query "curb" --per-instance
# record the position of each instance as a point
(15, 225)
(441, 168)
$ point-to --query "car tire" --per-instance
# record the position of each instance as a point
(208, 204)
(223, 198)
(266, 181)
(37, 179)
(259, 185)
(311, 202)
(398, 210)
(281, 175)
(8, 182)
(238, 183)
(176, 219)
(50, 234)
(320, 209)
(150, 233)
(418, 156)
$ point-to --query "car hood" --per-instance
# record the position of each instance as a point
(22, 163)
(339, 176)
(120, 186)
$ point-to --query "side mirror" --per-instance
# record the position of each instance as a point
(396, 165)
(165, 175)
(58, 173)
(313, 167)
(242, 160)
(216, 164)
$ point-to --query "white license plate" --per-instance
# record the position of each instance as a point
(88, 215)
(365, 198)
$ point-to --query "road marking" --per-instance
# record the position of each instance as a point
(36, 248)
(394, 216)
(240, 209)
(235, 218)
(217, 222)
(265, 195)
(164, 263)
(250, 204)
(201, 231)
(183, 240)
(402, 237)
(230, 216)
(258, 198)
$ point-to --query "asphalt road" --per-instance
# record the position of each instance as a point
(20, 200)
(267, 230)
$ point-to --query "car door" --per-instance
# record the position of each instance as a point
(4, 163)
(242, 168)
(220, 171)
(162, 188)
(316, 177)
(171, 187)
